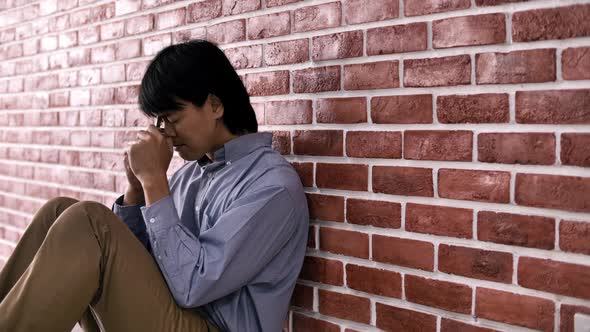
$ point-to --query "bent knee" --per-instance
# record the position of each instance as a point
(60, 203)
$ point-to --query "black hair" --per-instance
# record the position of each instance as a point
(191, 71)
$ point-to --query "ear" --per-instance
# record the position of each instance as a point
(216, 106)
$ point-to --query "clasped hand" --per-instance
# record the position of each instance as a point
(148, 157)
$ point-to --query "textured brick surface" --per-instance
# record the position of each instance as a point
(442, 144)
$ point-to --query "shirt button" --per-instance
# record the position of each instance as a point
(152, 220)
(228, 163)
(159, 257)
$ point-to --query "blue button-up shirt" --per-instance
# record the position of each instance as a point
(231, 237)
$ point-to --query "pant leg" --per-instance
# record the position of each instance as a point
(29, 244)
(101, 264)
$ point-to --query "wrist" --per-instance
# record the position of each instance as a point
(155, 189)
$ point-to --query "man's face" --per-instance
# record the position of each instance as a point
(194, 129)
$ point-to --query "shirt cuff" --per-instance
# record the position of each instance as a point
(160, 215)
(130, 214)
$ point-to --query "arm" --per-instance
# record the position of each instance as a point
(127, 208)
(227, 256)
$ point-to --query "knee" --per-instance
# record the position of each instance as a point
(59, 204)
(77, 214)
(53, 208)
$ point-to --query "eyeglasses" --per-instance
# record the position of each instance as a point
(159, 121)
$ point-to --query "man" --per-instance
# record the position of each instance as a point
(223, 239)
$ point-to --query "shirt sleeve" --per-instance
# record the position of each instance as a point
(132, 217)
(227, 256)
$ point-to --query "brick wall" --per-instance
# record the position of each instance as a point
(444, 144)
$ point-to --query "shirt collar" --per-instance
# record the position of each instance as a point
(238, 147)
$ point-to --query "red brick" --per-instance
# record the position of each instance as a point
(397, 39)
(227, 32)
(575, 63)
(402, 109)
(338, 46)
(374, 144)
(407, 181)
(567, 316)
(551, 23)
(451, 70)
(317, 79)
(286, 52)
(469, 30)
(268, 83)
(154, 3)
(363, 11)
(341, 110)
(530, 66)
(375, 281)
(342, 176)
(288, 112)
(326, 271)
(449, 145)
(403, 252)
(274, 3)
(281, 141)
(482, 3)
(302, 296)
(474, 185)
(475, 263)
(128, 49)
(343, 242)
(170, 18)
(139, 24)
(553, 106)
(318, 142)
(325, 207)
(397, 319)
(521, 310)
(375, 75)
(305, 171)
(203, 11)
(423, 7)
(245, 57)
(154, 44)
(517, 148)
(344, 306)
(233, 7)
(554, 277)
(439, 294)
(574, 236)
(374, 213)
(303, 323)
(439, 220)
(318, 17)
(102, 54)
(127, 94)
(575, 149)
(448, 325)
(271, 25)
(479, 108)
(311, 243)
(181, 36)
(553, 191)
(516, 230)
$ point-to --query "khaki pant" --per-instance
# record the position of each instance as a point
(78, 262)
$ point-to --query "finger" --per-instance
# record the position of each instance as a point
(154, 130)
(143, 134)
